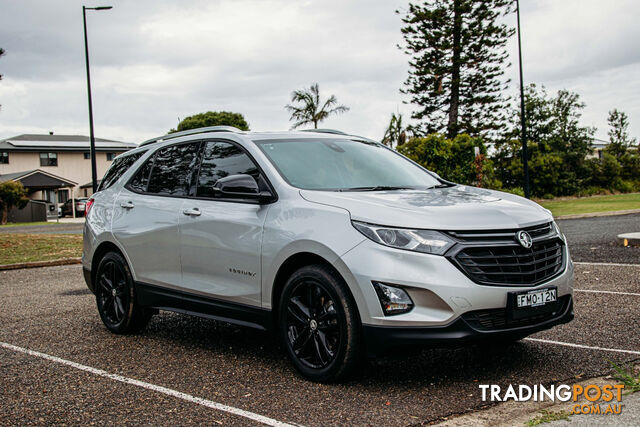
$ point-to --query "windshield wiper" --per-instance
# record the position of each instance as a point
(376, 188)
(439, 186)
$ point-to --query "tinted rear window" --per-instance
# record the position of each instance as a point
(118, 167)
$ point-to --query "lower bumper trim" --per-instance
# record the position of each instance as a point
(381, 339)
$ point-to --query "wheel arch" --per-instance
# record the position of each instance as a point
(298, 260)
(102, 249)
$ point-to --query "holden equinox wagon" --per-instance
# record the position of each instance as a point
(336, 244)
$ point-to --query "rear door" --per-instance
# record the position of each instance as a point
(147, 211)
(221, 238)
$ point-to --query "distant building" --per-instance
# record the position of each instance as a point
(597, 147)
(55, 164)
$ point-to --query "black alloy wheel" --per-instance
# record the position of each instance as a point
(112, 292)
(319, 324)
(312, 324)
(115, 296)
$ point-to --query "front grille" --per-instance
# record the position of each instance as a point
(535, 231)
(511, 264)
(497, 319)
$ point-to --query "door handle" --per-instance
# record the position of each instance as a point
(192, 212)
(127, 205)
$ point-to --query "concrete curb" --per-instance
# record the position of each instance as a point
(597, 214)
(36, 264)
(629, 239)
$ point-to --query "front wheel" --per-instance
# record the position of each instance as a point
(318, 324)
(115, 296)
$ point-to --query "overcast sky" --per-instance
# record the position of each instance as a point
(154, 62)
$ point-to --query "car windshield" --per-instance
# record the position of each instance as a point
(343, 165)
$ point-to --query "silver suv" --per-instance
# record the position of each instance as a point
(337, 244)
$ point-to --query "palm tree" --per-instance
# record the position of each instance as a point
(309, 111)
(395, 134)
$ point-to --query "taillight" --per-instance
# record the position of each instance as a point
(88, 207)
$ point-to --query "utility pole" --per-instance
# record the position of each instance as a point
(525, 154)
(94, 177)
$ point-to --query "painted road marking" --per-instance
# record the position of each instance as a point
(164, 390)
(568, 344)
(607, 292)
(611, 264)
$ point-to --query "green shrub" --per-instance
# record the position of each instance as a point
(518, 191)
(453, 159)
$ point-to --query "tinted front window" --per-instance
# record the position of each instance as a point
(221, 159)
(118, 167)
(342, 164)
(173, 169)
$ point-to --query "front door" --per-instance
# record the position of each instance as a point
(221, 238)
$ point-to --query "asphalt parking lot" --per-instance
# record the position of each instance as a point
(60, 365)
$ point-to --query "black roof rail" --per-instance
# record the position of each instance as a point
(338, 132)
(191, 132)
(333, 131)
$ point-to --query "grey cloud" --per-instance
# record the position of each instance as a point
(155, 61)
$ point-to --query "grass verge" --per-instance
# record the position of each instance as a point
(21, 224)
(18, 247)
(547, 417)
(617, 202)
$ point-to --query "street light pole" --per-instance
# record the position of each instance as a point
(94, 177)
(525, 154)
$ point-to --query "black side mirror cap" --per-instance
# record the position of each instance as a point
(241, 186)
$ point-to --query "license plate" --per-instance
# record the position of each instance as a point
(536, 298)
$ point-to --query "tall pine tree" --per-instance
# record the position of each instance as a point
(619, 139)
(458, 57)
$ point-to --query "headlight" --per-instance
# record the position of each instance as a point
(556, 230)
(425, 241)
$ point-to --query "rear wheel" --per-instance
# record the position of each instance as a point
(115, 296)
(319, 325)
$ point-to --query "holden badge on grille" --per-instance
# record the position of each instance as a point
(524, 239)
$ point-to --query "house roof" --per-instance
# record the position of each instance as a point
(34, 142)
(90, 184)
(37, 179)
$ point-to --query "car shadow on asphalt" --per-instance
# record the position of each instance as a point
(495, 363)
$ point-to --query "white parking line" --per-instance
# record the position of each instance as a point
(568, 344)
(164, 390)
(607, 292)
(612, 264)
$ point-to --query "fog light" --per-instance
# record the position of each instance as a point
(392, 299)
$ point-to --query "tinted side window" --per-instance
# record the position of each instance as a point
(141, 178)
(118, 167)
(221, 159)
(173, 169)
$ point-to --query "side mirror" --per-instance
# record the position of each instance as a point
(241, 186)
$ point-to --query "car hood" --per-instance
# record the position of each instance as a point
(453, 208)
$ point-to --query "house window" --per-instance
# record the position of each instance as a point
(48, 159)
(63, 196)
(110, 156)
(4, 158)
(49, 195)
(87, 156)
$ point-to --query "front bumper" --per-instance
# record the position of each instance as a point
(381, 339)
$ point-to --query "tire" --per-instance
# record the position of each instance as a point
(116, 298)
(318, 324)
